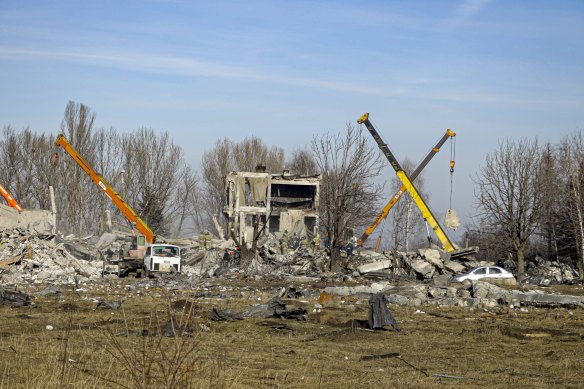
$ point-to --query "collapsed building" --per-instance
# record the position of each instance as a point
(275, 202)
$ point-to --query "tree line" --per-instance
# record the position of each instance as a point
(529, 197)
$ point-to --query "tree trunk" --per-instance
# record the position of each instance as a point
(520, 264)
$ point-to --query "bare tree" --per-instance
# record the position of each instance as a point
(510, 194)
(16, 167)
(46, 170)
(216, 163)
(348, 194)
(187, 208)
(154, 170)
(77, 125)
(227, 156)
(302, 162)
(571, 155)
(551, 212)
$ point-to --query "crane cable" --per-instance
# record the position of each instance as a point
(452, 163)
(380, 234)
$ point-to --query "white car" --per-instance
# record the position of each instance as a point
(484, 272)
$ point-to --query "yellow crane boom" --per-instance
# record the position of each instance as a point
(385, 211)
(427, 214)
(100, 182)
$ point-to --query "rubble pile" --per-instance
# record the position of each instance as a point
(544, 272)
(425, 264)
(37, 258)
(477, 294)
(35, 220)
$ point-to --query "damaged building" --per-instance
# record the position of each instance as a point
(283, 202)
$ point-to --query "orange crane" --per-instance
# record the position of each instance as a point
(9, 199)
(385, 211)
(98, 180)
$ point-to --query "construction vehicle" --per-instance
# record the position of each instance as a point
(385, 211)
(9, 199)
(142, 243)
(447, 244)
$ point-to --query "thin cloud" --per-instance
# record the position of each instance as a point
(161, 64)
(466, 11)
(185, 66)
(469, 8)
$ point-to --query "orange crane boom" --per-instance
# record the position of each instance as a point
(9, 199)
(98, 180)
(385, 211)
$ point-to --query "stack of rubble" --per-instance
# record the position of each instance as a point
(544, 272)
(35, 258)
(425, 264)
(475, 294)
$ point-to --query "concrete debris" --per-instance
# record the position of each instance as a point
(36, 257)
(41, 260)
(476, 294)
(545, 272)
(50, 290)
(35, 221)
(451, 220)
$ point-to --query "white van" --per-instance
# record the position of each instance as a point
(162, 258)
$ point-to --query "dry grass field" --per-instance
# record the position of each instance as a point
(90, 347)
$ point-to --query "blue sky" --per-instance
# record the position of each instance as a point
(286, 70)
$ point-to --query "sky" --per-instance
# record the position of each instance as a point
(286, 71)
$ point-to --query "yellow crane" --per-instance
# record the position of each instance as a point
(427, 214)
(385, 211)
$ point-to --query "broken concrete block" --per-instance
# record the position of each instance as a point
(441, 280)
(436, 292)
(349, 290)
(542, 299)
(423, 268)
(43, 275)
(397, 299)
(432, 256)
(482, 289)
(463, 293)
(380, 286)
(105, 240)
(375, 266)
(454, 267)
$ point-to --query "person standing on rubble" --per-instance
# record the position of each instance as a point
(327, 240)
(284, 242)
(304, 242)
(201, 239)
(208, 240)
(316, 242)
(295, 241)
